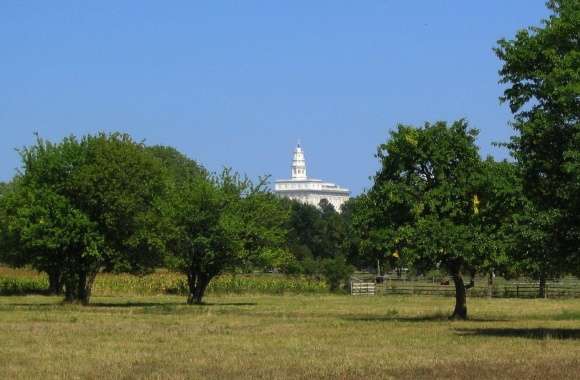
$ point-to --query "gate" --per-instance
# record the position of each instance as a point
(359, 287)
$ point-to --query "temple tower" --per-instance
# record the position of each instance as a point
(298, 163)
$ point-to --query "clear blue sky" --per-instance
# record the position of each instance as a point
(236, 83)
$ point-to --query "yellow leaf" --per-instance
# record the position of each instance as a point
(476, 204)
(411, 139)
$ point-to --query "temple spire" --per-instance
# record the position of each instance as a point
(298, 163)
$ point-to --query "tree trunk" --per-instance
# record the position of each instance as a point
(191, 284)
(197, 283)
(55, 282)
(490, 285)
(202, 286)
(85, 287)
(78, 287)
(460, 311)
(542, 289)
(70, 289)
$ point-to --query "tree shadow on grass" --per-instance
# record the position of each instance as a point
(166, 308)
(229, 304)
(20, 293)
(418, 318)
(133, 304)
(166, 304)
(530, 333)
(394, 318)
(28, 306)
(161, 305)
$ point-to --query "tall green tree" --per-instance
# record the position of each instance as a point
(316, 232)
(42, 229)
(219, 223)
(351, 215)
(181, 169)
(499, 207)
(424, 198)
(541, 71)
(532, 253)
(305, 230)
(334, 231)
(372, 238)
(84, 205)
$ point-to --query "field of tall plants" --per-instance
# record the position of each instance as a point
(24, 281)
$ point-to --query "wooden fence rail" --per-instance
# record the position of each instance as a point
(361, 286)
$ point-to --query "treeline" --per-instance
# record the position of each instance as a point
(107, 203)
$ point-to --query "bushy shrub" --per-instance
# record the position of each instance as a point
(336, 272)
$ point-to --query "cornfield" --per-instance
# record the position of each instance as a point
(16, 281)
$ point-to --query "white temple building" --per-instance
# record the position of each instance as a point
(309, 190)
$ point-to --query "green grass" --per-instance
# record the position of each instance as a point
(290, 336)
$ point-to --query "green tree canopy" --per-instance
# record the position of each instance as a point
(541, 71)
(181, 169)
(316, 232)
(499, 203)
(219, 223)
(425, 205)
(83, 205)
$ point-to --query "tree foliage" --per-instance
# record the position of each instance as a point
(181, 169)
(84, 205)
(316, 232)
(219, 223)
(336, 272)
(425, 207)
(541, 71)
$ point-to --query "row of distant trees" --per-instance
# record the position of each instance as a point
(108, 203)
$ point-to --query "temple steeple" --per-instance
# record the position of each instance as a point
(298, 163)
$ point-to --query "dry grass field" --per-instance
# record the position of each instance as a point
(290, 336)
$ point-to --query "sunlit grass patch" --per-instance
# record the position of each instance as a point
(290, 336)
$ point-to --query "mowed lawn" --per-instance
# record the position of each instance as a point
(280, 337)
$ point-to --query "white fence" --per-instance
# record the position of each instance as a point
(365, 285)
(358, 288)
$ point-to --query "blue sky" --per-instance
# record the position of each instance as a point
(237, 83)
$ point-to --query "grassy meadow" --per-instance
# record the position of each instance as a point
(288, 336)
